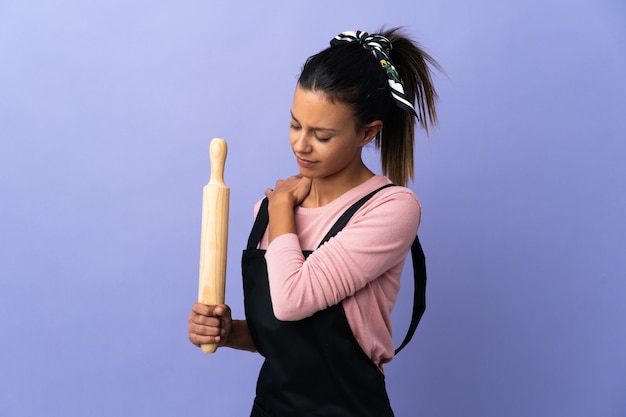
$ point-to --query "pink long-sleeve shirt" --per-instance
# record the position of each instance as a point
(360, 266)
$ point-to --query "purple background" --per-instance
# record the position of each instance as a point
(106, 112)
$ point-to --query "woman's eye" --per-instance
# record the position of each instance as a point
(294, 127)
(319, 139)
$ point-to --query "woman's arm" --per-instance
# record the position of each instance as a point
(282, 200)
(376, 240)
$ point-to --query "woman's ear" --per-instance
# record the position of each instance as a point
(370, 131)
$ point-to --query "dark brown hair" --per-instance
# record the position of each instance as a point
(350, 74)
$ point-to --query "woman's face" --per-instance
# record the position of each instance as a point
(324, 136)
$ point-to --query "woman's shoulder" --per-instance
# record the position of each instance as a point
(390, 218)
(392, 207)
(391, 193)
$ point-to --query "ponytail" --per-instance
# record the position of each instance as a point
(396, 140)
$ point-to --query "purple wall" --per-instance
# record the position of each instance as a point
(106, 113)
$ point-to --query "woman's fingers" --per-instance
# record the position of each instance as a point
(208, 324)
(297, 186)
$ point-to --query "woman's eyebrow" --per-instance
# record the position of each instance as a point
(314, 128)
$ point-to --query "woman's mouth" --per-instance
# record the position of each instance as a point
(304, 163)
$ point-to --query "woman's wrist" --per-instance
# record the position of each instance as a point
(282, 201)
(239, 337)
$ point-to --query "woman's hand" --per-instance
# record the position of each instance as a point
(209, 324)
(214, 324)
(291, 191)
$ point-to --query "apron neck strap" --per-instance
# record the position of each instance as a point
(260, 224)
(347, 215)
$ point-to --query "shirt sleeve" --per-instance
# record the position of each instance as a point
(376, 239)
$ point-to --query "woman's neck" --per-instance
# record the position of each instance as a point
(326, 190)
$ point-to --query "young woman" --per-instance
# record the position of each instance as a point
(318, 304)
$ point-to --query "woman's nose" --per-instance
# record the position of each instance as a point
(301, 142)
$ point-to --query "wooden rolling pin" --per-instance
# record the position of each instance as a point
(214, 236)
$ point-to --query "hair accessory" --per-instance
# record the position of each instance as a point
(380, 48)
